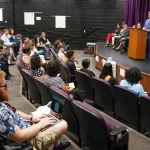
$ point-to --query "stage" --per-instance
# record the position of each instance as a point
(123, 63)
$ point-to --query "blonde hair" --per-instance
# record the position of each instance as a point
(2, 74)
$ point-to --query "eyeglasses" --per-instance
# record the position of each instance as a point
(5, 86)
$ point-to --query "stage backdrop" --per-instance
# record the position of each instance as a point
(136, 11)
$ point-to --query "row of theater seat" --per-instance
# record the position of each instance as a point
(122, 102)
(99, 134)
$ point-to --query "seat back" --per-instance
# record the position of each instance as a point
(102, 93)
(54, 54)
(43, 88)
(94, 133)
(126, 104)
(68, 113)
(145, 112)
(33, 90)
(84, 83)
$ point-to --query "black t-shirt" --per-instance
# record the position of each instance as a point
(89, 72)
(71, 66)
(44, 41)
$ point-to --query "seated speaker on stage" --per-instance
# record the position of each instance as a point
(132, 81)
(111, 35)
(123, 36)
(138, 26)
(147, 28)
(107, 74)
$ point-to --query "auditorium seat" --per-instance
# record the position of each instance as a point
(103, 96)
(145, 113)
(43, 88)
(54, 54)
(97, 132)
(127, 105)
(24, 82)
(68, 114)
(34, 94)
(84, 83)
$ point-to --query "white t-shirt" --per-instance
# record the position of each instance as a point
(62, 56)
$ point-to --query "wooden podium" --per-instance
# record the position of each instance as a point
(137, 43)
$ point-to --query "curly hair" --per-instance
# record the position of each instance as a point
(53, 68)
(35, 62)
(133, 76)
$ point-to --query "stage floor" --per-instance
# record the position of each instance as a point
(124, 60)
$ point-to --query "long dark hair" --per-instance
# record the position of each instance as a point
(106, 71)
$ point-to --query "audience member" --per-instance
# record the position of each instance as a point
(36, 64)
(86, 65)
(61, 53)
(56, 44)
(46, 44)
(26, 58)
(132, 81)
(19, 127)
(107, 74)
(70, 62)
(110, 35)
(53, 69)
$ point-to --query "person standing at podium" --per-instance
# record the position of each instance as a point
(147, 28)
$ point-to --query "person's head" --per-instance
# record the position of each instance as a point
(3, 87)
(53, 68)
(118, 26)
(26, 50)
(123, 23)
(32, 45)
(86, 63)
(43, 35)
(70, 55)
(11, 31)
(133, 76)
(57, 42)
(139, 25)
(125, 26)
(35, 62)
(149, 14)
(35, 39)
(61, 48)
(106, 71)
(6, 31)
(26, 41)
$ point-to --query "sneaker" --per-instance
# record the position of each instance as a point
(62, 146)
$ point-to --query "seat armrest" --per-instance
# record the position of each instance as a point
(118, 131)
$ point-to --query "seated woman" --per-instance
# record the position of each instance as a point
(138, 26)
(26, 58)
(61, 53)
(110, 35)
(132, 81)
(57, 43)
(107, 74)
(86, 65)
(36, 64)
(26, 41)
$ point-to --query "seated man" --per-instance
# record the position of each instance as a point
(26, 58)
(19, 127)
(70, 63)
(132, 81)
(86, 65)
(61, 53)
(53, 68)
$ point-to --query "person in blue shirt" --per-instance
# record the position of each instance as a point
(132, 81)
(147, 28)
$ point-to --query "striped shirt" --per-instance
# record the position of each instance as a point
(55, 81)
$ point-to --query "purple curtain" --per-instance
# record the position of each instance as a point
(136, 11)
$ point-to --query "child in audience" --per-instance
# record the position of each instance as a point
(26, 58)
(86, 65)
(107, 74)
(36, 64)
(61, 53)
(132, 81)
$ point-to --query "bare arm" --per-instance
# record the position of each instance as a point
(23, 115)
(22, 135)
